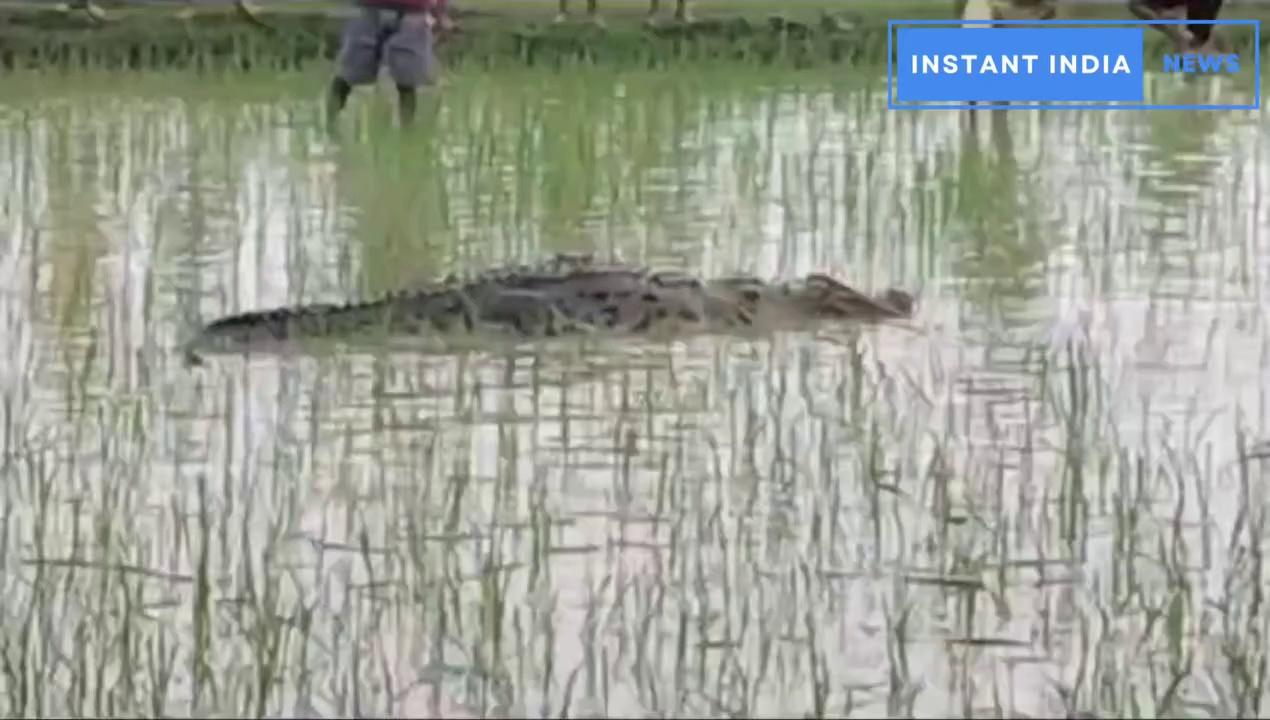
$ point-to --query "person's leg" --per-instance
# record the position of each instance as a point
(1024, 10)
(1164, 10)
(409, 57)
(337, 98)
(1202, 36)
(406, 101)
(683, 11)
(358, 61)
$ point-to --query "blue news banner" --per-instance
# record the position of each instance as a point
(950, 67)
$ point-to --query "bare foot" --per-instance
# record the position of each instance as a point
(1210, 47)
(1180, 36)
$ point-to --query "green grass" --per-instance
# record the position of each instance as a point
(219, 41)
(908, 9)
(498, 34)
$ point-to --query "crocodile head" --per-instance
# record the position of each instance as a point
(822, 296)
(818, 297)
(901, 301)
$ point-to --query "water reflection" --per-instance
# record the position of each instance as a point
(1029, 502)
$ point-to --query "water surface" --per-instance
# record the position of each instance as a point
(1043, 495)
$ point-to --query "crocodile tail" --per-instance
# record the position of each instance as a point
(251, 329)
(406, 312)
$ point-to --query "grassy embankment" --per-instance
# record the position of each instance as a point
(794, 32)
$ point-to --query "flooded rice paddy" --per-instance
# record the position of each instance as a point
(1044, 495)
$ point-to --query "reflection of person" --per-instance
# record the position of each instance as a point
(1192, 38)
(396, 33)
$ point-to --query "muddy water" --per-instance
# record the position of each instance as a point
(1042, 495)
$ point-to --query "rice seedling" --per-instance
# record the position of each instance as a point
(1042, 497)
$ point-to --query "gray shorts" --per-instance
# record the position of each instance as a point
(403, 41)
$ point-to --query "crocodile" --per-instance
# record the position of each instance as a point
(565, 295)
